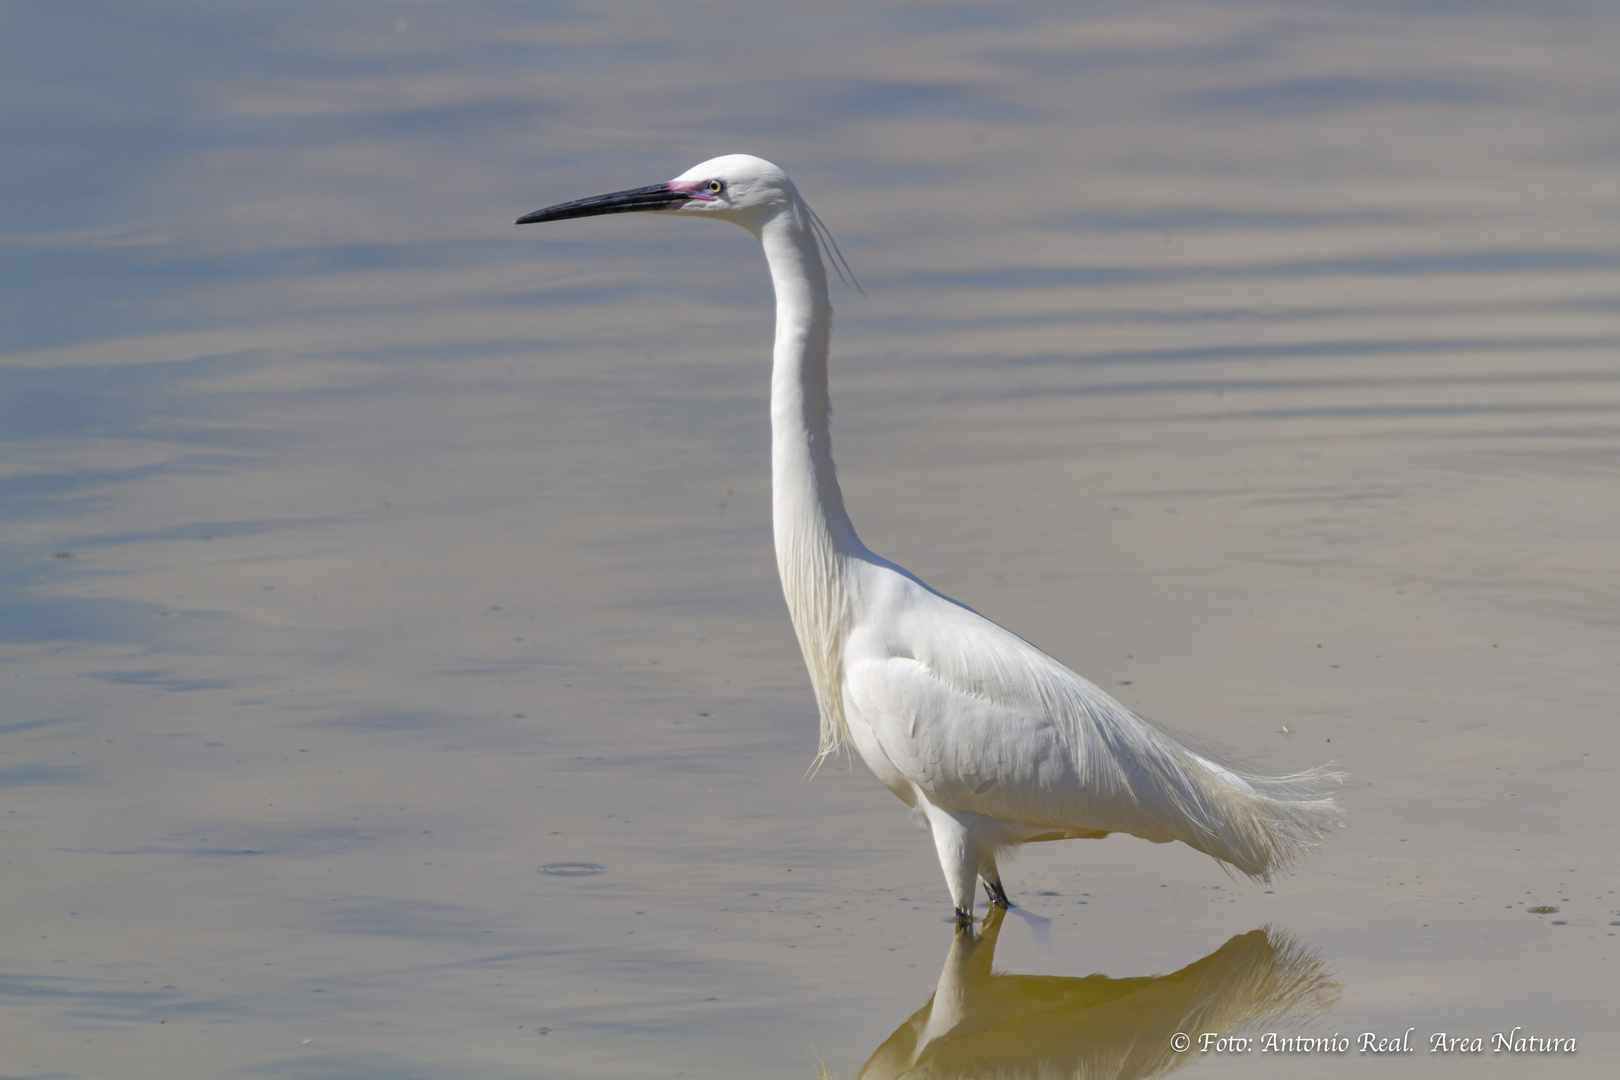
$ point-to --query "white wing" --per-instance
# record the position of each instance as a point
(985, 723)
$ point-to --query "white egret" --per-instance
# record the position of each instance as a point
(990, 740)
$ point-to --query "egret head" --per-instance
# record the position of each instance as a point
(736, 187)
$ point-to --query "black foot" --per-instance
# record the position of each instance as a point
(998, 895)
(964, 918)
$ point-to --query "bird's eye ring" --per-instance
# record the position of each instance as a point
(715, 186)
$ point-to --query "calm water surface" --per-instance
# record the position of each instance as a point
(364, 554)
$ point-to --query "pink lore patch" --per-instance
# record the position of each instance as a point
(693, 188)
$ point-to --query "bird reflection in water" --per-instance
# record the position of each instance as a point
(980, 1024)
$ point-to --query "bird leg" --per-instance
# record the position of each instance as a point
(957, 857)
(990, 874)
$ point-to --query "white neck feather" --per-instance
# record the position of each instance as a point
(814, 537)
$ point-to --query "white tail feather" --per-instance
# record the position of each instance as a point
(1257, 825)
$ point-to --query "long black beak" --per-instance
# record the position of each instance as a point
(655, 197)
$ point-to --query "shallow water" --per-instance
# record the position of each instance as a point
(364, 554)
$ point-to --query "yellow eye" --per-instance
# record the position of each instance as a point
(716, 186)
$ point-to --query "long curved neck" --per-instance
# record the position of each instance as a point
(814, 537)
(807, 505)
